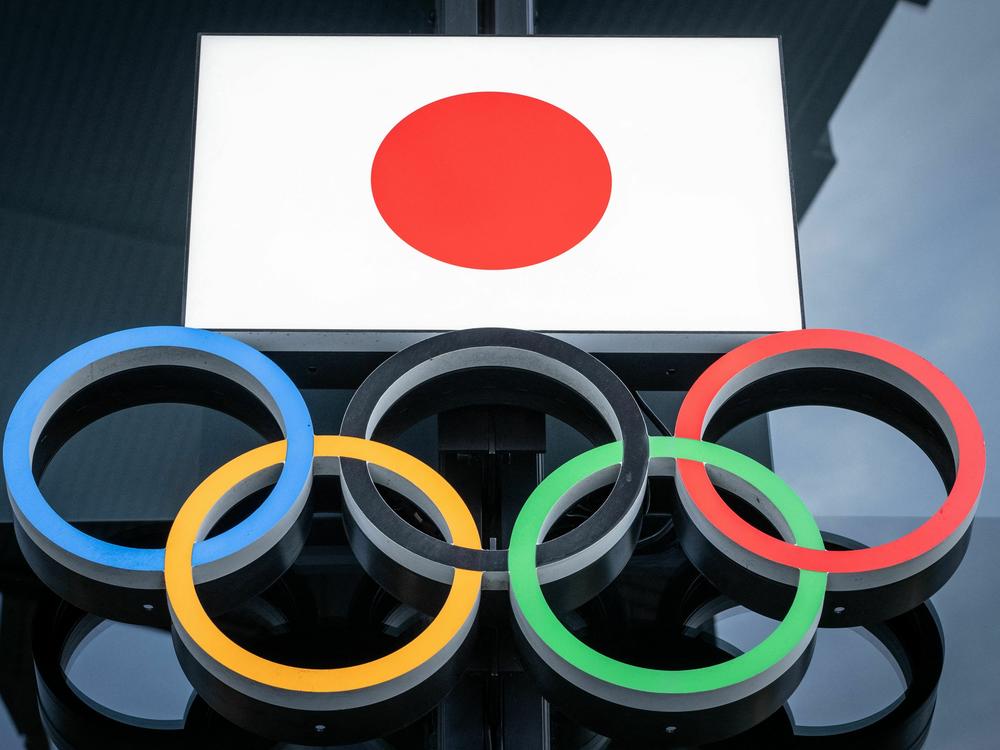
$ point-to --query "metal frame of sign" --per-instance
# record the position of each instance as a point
(668, 360)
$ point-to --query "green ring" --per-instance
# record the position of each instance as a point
(526, 593)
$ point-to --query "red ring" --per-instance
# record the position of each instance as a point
(961, 500)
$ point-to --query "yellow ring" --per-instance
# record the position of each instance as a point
(194, 621)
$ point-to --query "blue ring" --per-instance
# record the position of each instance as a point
(295, 473)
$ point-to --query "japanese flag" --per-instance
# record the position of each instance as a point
(432, 183)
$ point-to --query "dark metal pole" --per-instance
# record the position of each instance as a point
(457, 17)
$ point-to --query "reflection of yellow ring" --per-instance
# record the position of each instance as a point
(189, 615)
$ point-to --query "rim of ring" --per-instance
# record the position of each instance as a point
(501, 348)
(230, 483)
(793, 633)
(29, 416)
(956, 510)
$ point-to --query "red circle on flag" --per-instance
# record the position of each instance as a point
(491, 180)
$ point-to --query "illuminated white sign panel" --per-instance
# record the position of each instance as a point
(432, 183)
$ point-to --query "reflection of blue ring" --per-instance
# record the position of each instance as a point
(141, 347)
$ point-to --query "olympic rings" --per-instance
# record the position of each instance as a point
(690, 701)
(290, 702)
(576, 565)
(866, 584)
(793, 577)
(118, 581)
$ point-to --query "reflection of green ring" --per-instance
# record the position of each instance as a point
(789, 638)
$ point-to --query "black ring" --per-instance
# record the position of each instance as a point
(415, 566)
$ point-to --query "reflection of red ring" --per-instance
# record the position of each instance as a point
(957, 507)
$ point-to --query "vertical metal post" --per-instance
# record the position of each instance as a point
(457, 17)
(513, 17)
(493, 457)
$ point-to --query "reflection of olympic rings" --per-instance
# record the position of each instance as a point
(913, 641)
(793, 577)
(119, 581)
(292, 702)
(706, 703)
(73, 721)
(787, 369)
